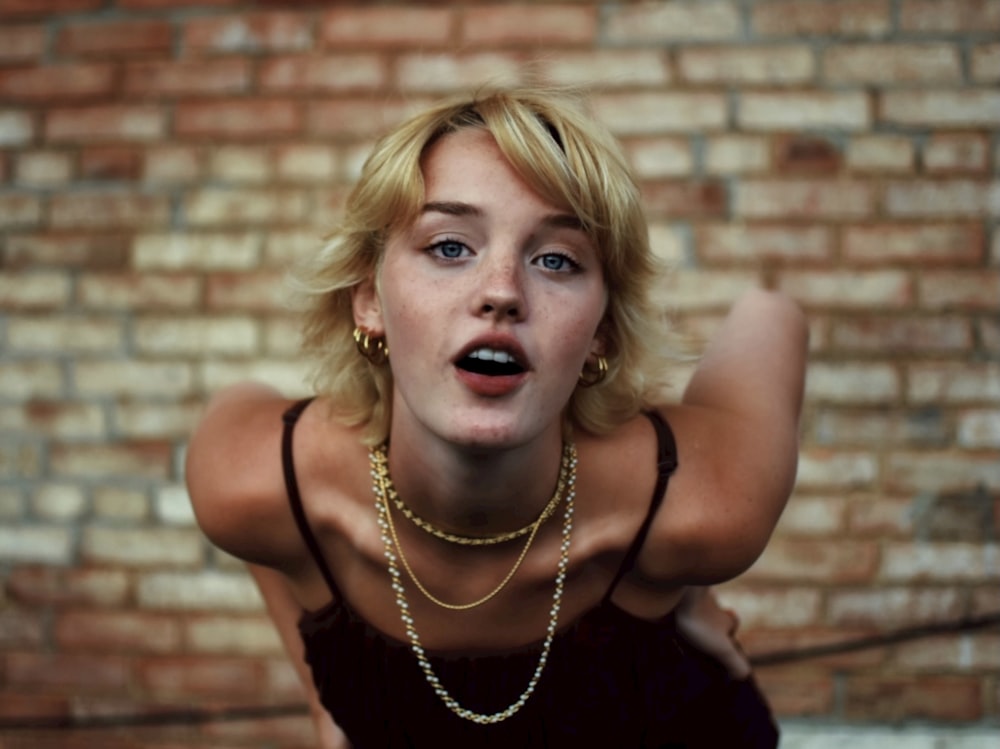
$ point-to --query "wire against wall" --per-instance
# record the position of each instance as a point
(191, 716)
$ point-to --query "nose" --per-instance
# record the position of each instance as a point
(501, 290)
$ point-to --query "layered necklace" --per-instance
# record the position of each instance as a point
(383, 490)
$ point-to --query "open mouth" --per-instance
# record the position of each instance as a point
(490, 362)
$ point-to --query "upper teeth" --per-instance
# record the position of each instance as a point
(488, 354)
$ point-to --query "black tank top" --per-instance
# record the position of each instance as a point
(611, 680)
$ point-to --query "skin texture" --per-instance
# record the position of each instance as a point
(491, 263)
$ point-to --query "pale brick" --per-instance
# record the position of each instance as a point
(248, 164)
(20, 210)
(813, 516)
(880, 153)
(173, 164)
(852, 383)
(953, 383)
(82, 461)
(248, 33)
(637, 113)
(288, 377)
(244, 636)
(242, 206)
(138, 291)
(284, 248)
(154, 420)
(941, 108)
(660, 157)
(802, 110)
(777, 65)
(668, 243)
(227, 336)
(59, 502)
(22, 42)
(359, 118)
(202, 675)
(324, 74)
(34, 290)
(24, 380)
(684, 20)
(836, 469)
(943, 198)
(967, 290)
(118, 632)
(882, 516)
(36, 544)
(941, 472)
(16, 128)
(263, 290)
(12, 506)
(893, 607)
(447, 72)
(59, 334)
(196, 251)
(120, 503)
(979, 429)
(239, 119)
(892, 63)
(306, 163)
(604, 68)
(173, 506)
(393, 27)
(737, 154)
(142, 547)
(699, 290)
(20, 458)
(816, 561)
(733, 242)
(282, 337)
(73, 673)
(527, 24)
(74, 250)
(951, 244)
(986, 63)
(133, 123)
(949, 15)
(849, 290)
(43, 168)
(198, 591)
(133, 378)
(803, 198)
(956, 153)
(903, 335)
(867, 18)
(21, 629)
(772, 607)
(187, 78)
(108, 209)
(971, 652)
(940, 562)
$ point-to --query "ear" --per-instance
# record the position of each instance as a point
(367, 307)
(599, 344)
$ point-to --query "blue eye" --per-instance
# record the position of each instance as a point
(448, 249)
(557, 262)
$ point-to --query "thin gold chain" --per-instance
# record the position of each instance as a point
(385, 521)
(487, 540)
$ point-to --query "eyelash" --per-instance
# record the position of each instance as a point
(571, 264)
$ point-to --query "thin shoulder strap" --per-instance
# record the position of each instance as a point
(666, 464)
(290, 418)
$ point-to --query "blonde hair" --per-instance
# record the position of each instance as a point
(570, 161)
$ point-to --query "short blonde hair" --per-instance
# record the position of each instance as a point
(570, 160)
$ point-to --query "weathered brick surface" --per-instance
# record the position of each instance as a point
(163, 163)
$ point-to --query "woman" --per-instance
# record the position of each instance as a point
(485, 529)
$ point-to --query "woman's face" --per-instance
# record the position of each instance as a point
(490, 302)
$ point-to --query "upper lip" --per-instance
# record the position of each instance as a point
(497, 342)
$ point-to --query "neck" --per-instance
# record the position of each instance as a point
(475, 490)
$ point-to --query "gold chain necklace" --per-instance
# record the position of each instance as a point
(385, 523)
(455, 538)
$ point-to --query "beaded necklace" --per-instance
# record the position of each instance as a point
(385, 523)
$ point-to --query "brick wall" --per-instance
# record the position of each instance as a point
(162, 162)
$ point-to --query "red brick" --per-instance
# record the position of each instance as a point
(358, 118)
(695, 198)
(965, 107)
(248, 32)
(887, 517)
(20, 211)
(892, 63)
(22, 43)
(22, 8)
(117, 39)
(70, 250)
(903, 335)
(186, 78)
(116, 631)
(138, 291)
(975, 652)
(865, 18)
(950, 15)
(762, 642)
(778, 65)
(21, 629)
(447, 71)
(108, 210)
(239, 119)
(110, 163)
(923, 244)
(687, 20)
(57, 82)
(203, 676)
(390, 26)
(896, 698)
(835, 561)
(519, 24)
(798, 691)
(328, 73)
(171, 4)
(772, 606)
(111, 122)
(259, 291)
(805, 154)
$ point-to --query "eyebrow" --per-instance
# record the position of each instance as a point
(458, 208)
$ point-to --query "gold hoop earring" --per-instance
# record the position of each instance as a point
(595, 375)
(373, 349)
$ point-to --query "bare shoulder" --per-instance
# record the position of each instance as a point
(234, 475)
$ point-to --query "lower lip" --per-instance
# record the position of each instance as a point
(490, 386)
